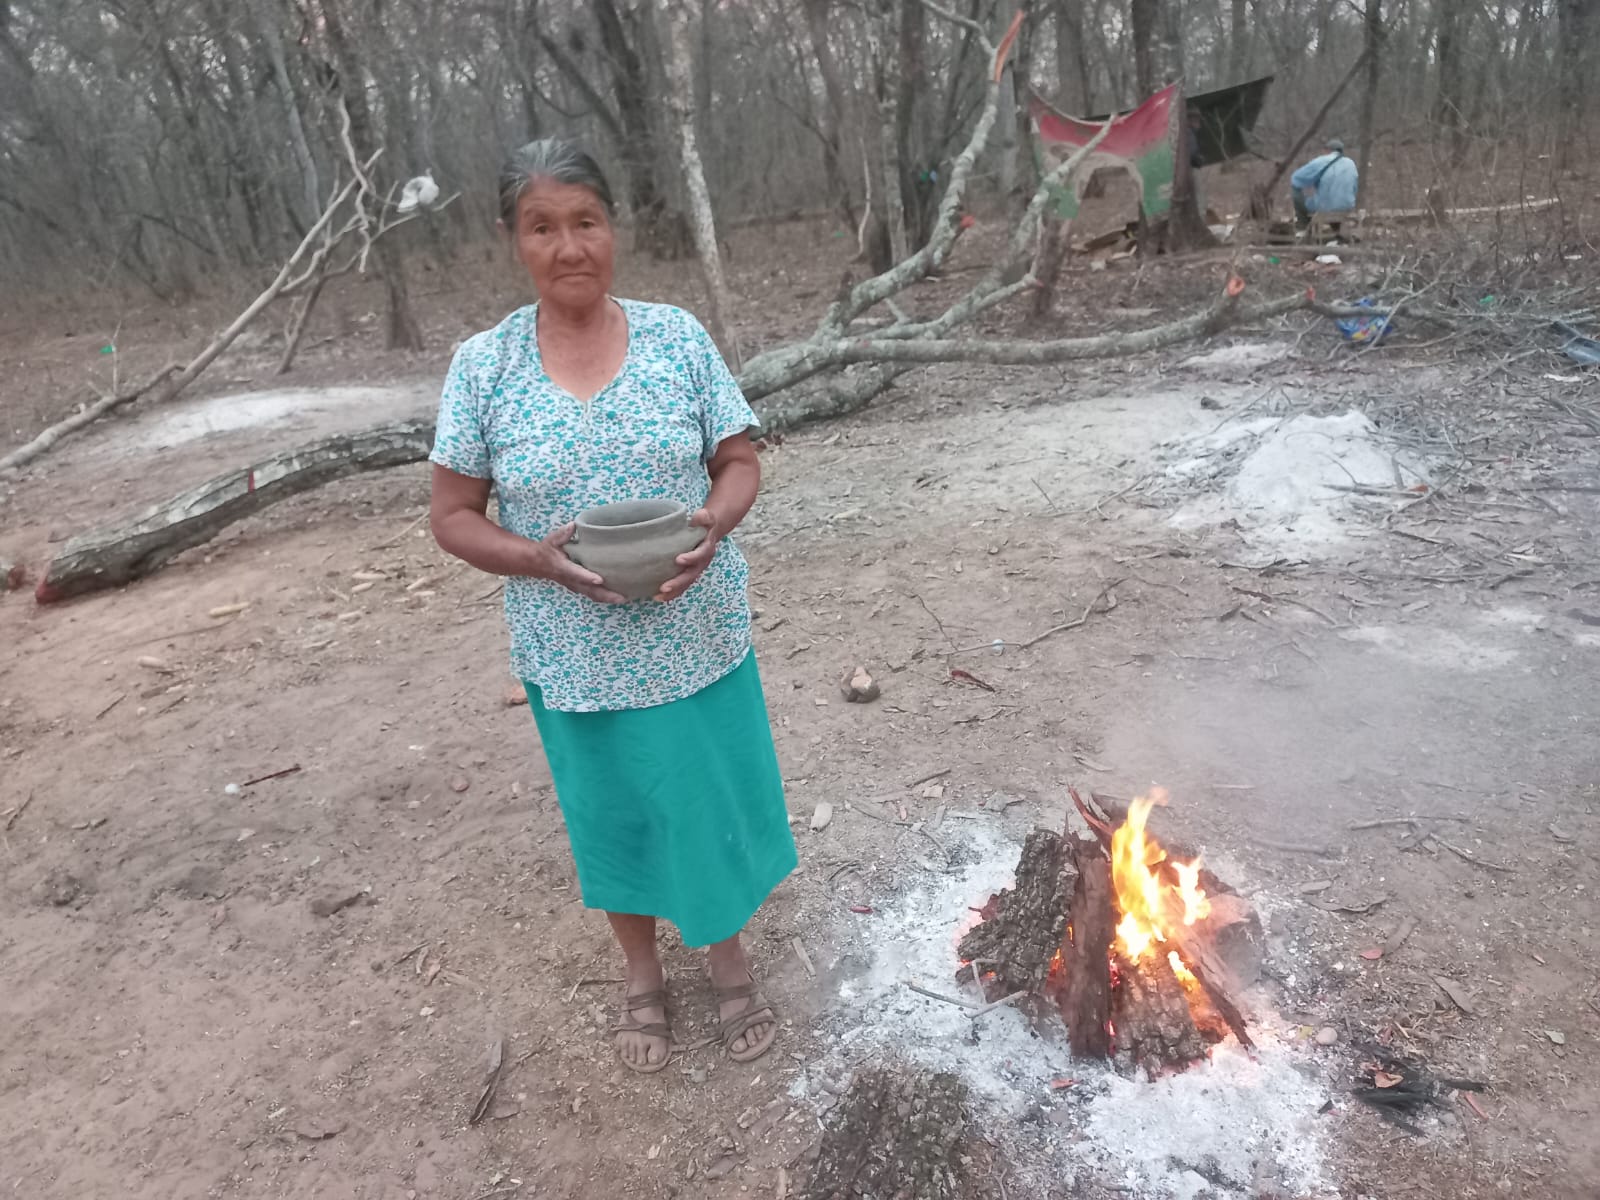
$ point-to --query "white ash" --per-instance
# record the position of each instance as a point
(1173, 1138)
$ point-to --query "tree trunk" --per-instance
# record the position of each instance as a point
(917, 187)
(1142, 16)
(1238, 42)
(403, 331)
(1373, 26)
(881, 41)
(1073, 90)
(680, 80)
(660, 230)
(1578, 21)
(1449, 96)
(833, 112)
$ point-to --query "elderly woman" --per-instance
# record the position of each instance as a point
(651, 712)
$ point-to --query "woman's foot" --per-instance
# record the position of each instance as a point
(747, 1026)
(644, 1041)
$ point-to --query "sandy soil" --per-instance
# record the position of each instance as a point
(178, 1021)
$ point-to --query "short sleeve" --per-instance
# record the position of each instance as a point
(459, 444)
(724, 412)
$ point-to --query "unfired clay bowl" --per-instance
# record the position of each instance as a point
(634, 545)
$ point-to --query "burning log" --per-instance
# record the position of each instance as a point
(1155, 1028)
(893, 1135)
(1086, 996)
(1023, 926)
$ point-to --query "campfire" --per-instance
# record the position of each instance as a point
(1139, 949)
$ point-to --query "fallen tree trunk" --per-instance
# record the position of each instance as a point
(893, 1135)
(117, 554)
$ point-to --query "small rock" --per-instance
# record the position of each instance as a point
(821, 816)
(859, 687)
(12, 576)
(232, 789)
(459, 784)
(514, 697)
(1327, 1035)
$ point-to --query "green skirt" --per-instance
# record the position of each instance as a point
(675, 811)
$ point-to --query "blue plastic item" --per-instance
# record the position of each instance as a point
(1362, 330)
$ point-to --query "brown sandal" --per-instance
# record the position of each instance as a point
(754, 1013)
(656, 1029)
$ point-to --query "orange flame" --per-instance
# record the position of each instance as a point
(1149, 905)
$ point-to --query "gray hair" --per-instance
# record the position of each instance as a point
(550, 158)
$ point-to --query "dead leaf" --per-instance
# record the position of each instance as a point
(1385, 1080)
(1373, 955)
(1458, 995)
(319, 1132)
(497, 1058)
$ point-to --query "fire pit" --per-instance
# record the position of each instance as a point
(1139, 949)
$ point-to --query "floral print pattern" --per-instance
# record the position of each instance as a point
(648, 434)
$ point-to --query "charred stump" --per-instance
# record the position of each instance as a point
(1085, 999)
(1023, 925)
(893, 1135)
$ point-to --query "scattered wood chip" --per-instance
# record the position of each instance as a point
(1471, 1102)
(805, 959)
(1090, 765)
(1315, 886)
(859, 687)
(228, 610)
(821, 816)
(1556, 1036)
(363, 587)
(1458, 995)
(934, 791)
(319, 1132)
(151, 663)
(1385, 1080)
(1560, 834)
(11, 817)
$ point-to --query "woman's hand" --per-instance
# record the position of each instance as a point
(695, 562)
(553, 564)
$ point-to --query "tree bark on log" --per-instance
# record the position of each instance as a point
(116, 554)
(1086, 1000)
(1020, 940)
(893, 1135)
(1151, 1014)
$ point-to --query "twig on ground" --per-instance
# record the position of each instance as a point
(944, 633)
(1045, 494)
(1107, 593)
(994, 1004)
(273, 775)
(11, 818)
(399, 537)
(805, 959)
(1472, 858)
(940, 996)
(121, 696)
(1294, 847)
(918, 782)
(1413, 819)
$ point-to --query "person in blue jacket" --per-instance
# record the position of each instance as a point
(1326, 184)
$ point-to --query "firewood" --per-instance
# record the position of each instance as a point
(1022, 936)
(893, 1134)
(1151, 1012)
(1086, 996)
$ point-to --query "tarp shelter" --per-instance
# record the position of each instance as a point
(1142, 139)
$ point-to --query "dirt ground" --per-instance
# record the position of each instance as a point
(178, 1021)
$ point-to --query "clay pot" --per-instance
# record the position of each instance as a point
(634, 545)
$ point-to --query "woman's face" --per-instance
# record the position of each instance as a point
(563, 237)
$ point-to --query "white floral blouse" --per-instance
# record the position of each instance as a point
(647, 435)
